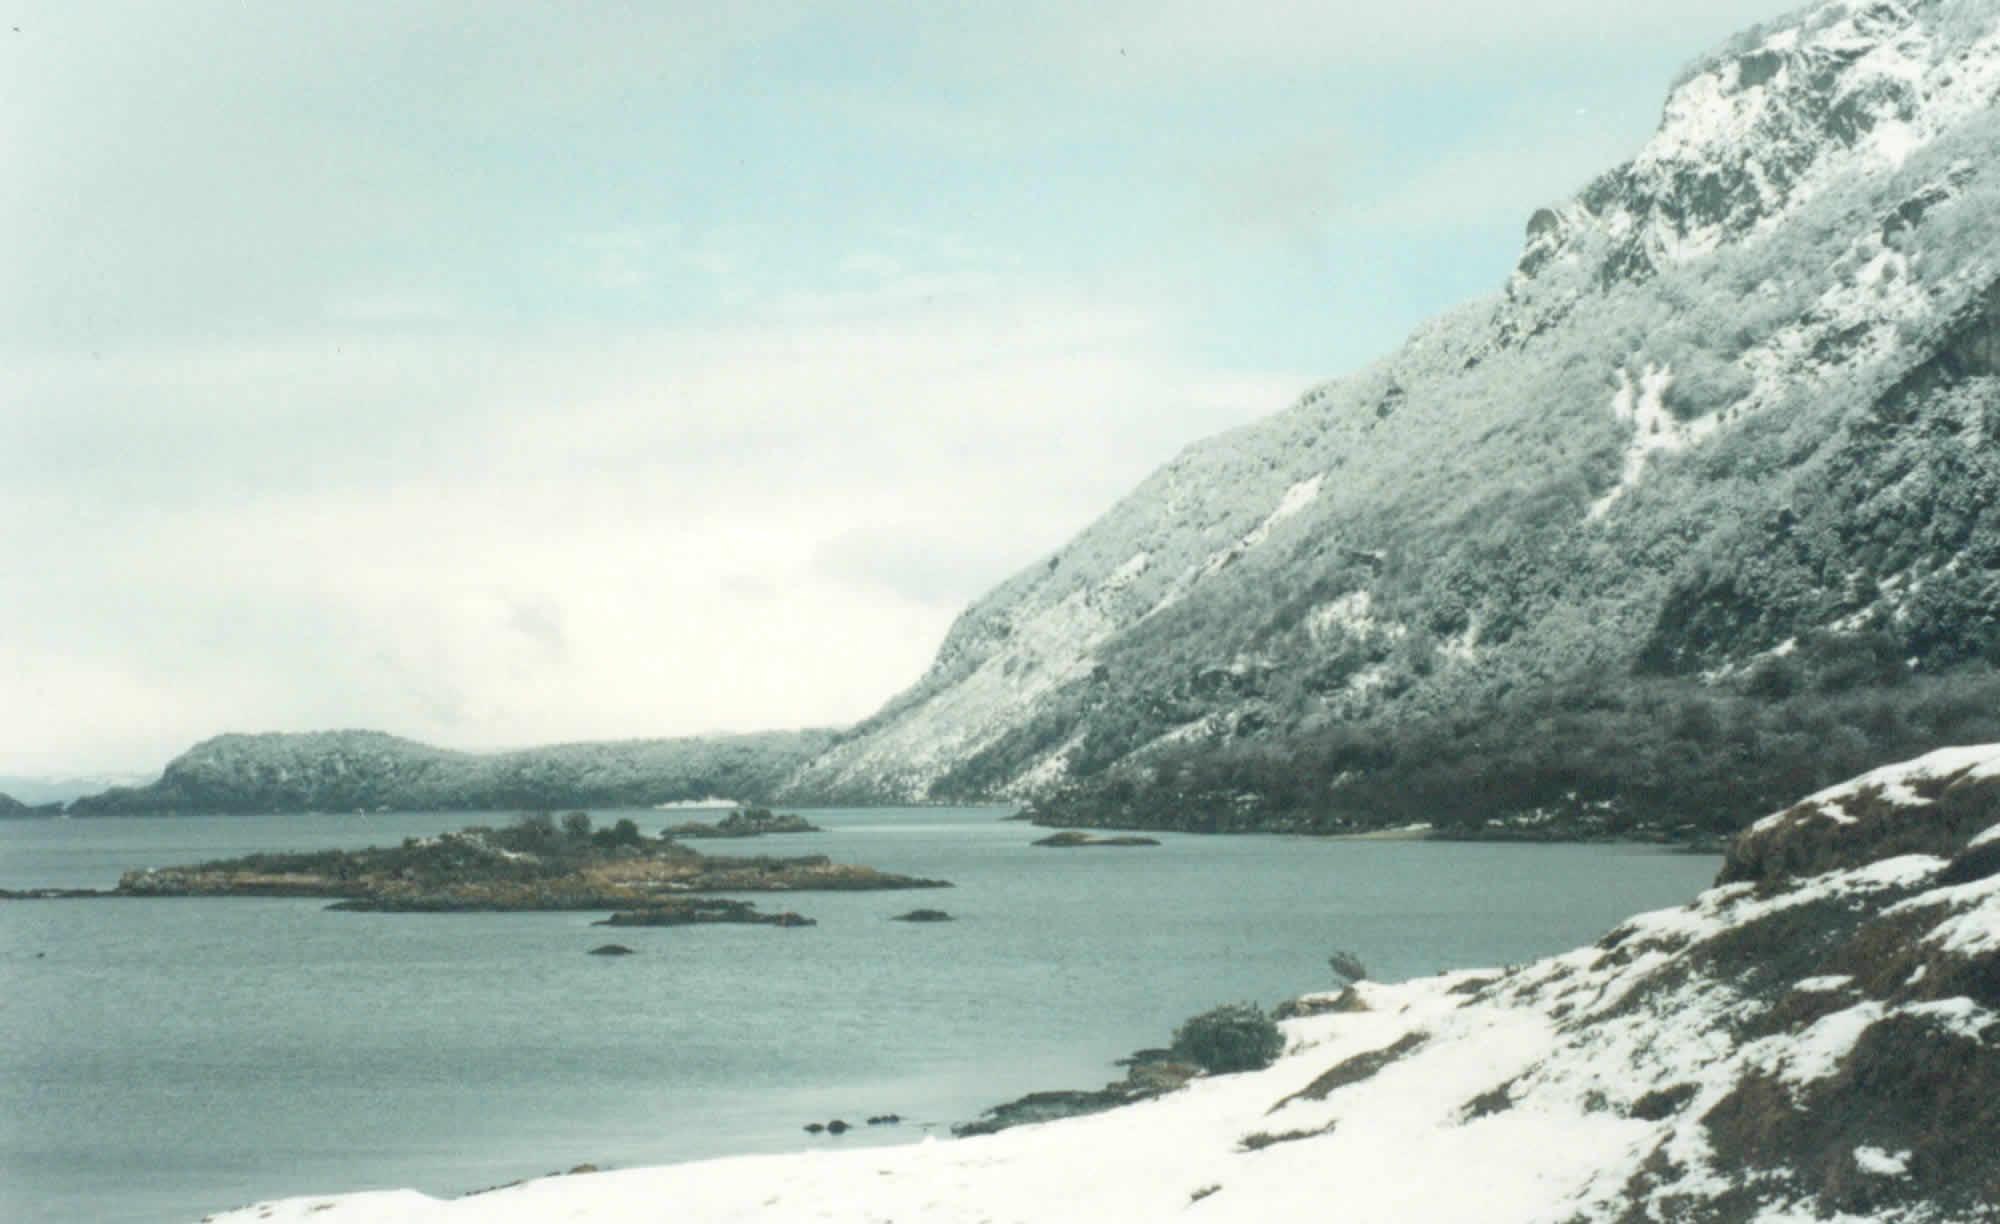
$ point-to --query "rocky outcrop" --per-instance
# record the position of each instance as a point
(524, 868)
(698, 911)
(1148, 1074)
(1070, 839)
(745, 822)
(344, 771)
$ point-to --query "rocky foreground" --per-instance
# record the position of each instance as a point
(1815, 1038)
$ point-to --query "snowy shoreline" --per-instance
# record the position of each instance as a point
(1801, 1043)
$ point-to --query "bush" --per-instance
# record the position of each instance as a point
(1234, 1037)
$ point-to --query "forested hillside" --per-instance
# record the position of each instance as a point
(1698, 512)
(344, 771)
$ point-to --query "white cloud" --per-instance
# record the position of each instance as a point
(496, 539)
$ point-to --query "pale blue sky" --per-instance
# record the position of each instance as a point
(502, 373)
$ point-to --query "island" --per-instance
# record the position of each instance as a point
(746, 822)
(534, 864)
(692, 911)
(1071, 838)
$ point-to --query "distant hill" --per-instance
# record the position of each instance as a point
(41, 790)
(1700, 511)
(369, 770)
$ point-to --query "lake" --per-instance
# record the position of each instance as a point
(163, 1059)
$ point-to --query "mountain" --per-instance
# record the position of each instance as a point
(366, 770)
(1815, 1038)
(41, 790)
(1712, 478)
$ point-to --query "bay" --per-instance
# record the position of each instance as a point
(163, 1059)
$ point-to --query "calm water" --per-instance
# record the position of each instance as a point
(160, 1060)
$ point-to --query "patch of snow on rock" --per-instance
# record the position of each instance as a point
(1654, 428)
(1882, 1164)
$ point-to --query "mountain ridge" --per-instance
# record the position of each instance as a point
(366, 770)
(1737, 393)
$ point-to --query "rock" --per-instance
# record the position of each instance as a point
(1071, 837)
(530, 866)
(837, 1127)
(611, 950)
(1868, 819)
(814, 1128)
(746, 822)
(1149, 1073)
(696, 911)
(1348, 1000)
(923, 915)
(885, 1119)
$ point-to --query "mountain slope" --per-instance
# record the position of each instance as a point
(1738, 400)
(1817, 1037)
(366, 770)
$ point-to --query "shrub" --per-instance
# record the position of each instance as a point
(1234, 1037)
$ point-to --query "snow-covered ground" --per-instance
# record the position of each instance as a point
(1734, 1058)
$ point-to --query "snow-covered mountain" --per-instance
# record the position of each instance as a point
(344, 771)
(1816, 1038)
(1735, 409)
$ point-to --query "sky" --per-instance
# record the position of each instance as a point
(502, 373)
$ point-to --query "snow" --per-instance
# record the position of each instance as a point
(1516, 1104)
(1654, 428)
(1128, 573)
(1880, 1163)
(1896, 783)
(1350, 616)
(1556, 1050)
(1296, 498)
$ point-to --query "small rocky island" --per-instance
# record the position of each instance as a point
(1072, 838)
(693, 911)
(745, 822)
(534, 864)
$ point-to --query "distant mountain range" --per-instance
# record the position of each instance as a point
(340, 771)
(1699, 512)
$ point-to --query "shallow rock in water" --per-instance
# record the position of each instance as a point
(1071, 838)
(695, 911)
(923, 915)
(746, 822)
(611, 950)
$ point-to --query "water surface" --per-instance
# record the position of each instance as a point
(162, 1059)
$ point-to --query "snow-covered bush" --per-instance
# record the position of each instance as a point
(1233, 1037)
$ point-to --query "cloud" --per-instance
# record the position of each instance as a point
(919, 562)
(1121, 45)
(506, 537)
(505, 372)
